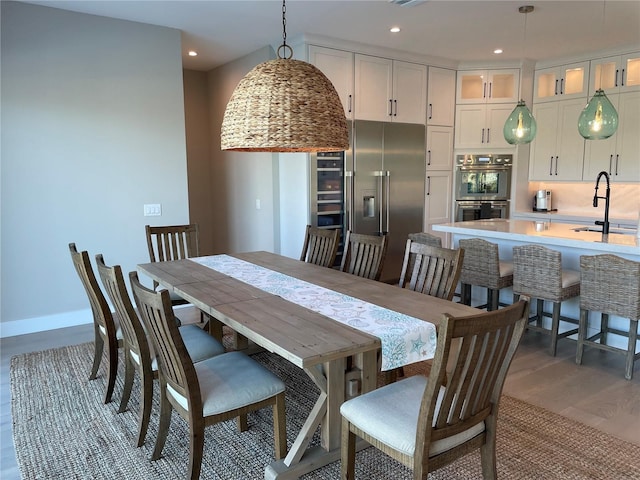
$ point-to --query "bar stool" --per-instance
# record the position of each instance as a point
(538, 273)
(611, 286)
(482, 267)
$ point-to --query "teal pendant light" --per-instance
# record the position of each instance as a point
(520, 128)
(599, 119)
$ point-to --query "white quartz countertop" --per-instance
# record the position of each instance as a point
(560, 234)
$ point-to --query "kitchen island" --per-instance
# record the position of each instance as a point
(571, 240)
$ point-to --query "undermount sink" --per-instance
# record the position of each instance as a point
(619, 231)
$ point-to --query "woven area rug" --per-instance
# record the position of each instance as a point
(62, 430)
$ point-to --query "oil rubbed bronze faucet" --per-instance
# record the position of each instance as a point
(605, 223)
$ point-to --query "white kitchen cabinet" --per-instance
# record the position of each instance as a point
(441, 96)
(337, 65)
(618, 155)
(557, 152)
(390, 90)
(488, 86)
(439, 148)
(480, 126)
(617, 74)
(438, 198)
(561, 83)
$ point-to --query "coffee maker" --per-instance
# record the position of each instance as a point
(542, 201)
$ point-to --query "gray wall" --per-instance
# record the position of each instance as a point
(92, 129)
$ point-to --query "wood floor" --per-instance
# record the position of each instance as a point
(595, 393)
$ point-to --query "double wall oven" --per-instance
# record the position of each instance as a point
(482, 186)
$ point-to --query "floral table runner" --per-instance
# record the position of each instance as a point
(404, 339)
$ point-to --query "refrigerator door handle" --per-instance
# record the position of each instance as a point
(380, 187)
(348, 199)
(386, 201)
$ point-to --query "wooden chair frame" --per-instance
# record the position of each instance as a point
(104, 325)
(320, 246)
(482, 348)
(364, 255)
(177, 372)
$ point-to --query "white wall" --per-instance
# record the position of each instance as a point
(92, 129)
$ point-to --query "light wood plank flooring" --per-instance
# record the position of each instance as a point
(595, 393)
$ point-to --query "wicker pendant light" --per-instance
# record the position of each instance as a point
(284, 105)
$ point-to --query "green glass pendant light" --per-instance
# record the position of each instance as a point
(599, 119)
(520, 128)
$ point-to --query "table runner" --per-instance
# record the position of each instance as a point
(404, 339)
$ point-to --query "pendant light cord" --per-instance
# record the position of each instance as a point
(604, 12)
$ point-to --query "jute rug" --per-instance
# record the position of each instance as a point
(62, 430)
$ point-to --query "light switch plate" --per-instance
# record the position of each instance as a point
(152, 210)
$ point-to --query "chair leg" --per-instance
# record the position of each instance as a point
(555, 325)
(112, 369)
(196, 448)
(146, 401)
(280, 427)
(163, 426)
(241, 422)
(493, 299)
(488, 459)
(582, 334)
(348, 452)
(604, 327)
(539, 311)
(631, 349)
(465, 293)
(129, 371)
(98, 345)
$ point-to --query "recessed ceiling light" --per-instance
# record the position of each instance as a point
(193, 53)
(497, 51)
(394, 29)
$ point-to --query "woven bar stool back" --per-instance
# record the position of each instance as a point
(538, 273)
(609, 285)
(482, 267)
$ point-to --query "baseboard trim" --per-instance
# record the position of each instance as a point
(43, 324)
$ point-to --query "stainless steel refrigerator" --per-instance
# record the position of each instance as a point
(385, 189)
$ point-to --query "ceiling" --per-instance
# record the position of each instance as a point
(463, 31)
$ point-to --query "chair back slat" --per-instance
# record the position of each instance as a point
(320, 246)
(176, 367)
(173, 242)
(364, 255)
(435, 270)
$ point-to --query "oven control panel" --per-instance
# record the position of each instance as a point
(476, 160)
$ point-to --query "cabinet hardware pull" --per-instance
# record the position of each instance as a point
(551, 165)
(390, 107)
(562, 86)
(616, 84)
(556, 165)
(556, 90)
(488, 135)
(484, 90)
(610, 162)
(622, 78)
(429, 157)
(395, 103)
(350, 99)
(428, 185)
(430, 111)
(617, 156)
(482, 136)
(490, 84)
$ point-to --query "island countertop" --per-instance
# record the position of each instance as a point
(547, 233)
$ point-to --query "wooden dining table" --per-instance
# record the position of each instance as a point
(313, 342)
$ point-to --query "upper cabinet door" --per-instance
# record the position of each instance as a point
(617, 74)
(561, 83)
(373, 88)
(441, 97)
(337, 65)
(409, 92)
(488, 86)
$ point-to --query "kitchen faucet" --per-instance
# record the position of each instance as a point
(605, 223)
